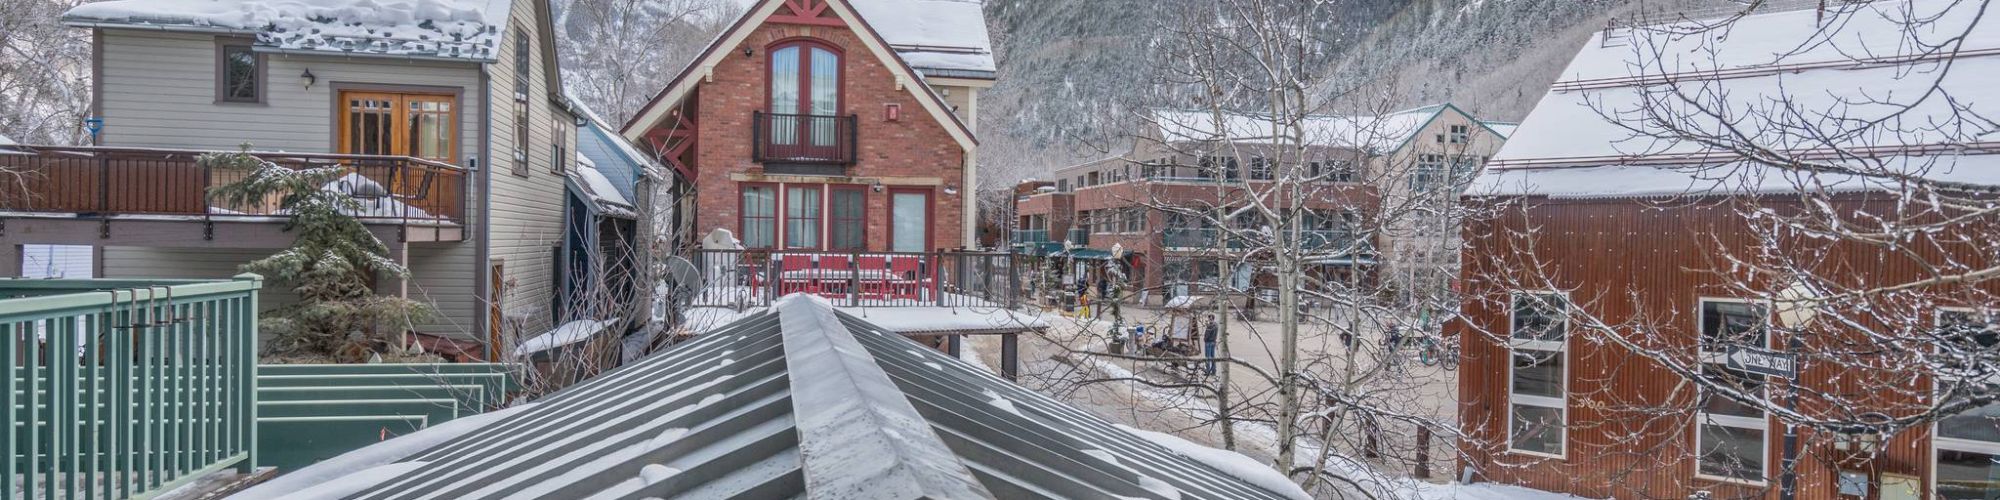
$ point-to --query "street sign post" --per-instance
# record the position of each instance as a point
(1762, 362)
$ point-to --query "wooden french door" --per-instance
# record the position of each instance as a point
(399, 124)
(805, 100)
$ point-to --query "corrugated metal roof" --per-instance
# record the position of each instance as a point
(802, 401)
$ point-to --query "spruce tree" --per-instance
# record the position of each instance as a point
(328, 266)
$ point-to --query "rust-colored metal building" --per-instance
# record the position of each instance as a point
(1615, 293)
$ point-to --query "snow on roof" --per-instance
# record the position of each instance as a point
(569, 333)
(451, 29)
(1770, 76)
(946, 35)
(1377, 133)
(933, 34)
(1233, 463)
(1642, 181)
(6, 141)
(798, 400)
(600, 189)
(1505, 129)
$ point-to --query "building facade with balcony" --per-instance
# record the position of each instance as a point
(831, 125)
(1180, 160)
(457, 137)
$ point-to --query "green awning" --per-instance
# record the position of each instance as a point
(1089, 254)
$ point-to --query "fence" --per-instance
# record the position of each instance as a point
(121, 388)
(124, 181)
(738, 278)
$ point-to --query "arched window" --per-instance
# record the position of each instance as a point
(805, 94)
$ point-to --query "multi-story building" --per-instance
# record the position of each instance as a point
(1615, 292)
(460, 144)
(837, 125)
(1183, 159)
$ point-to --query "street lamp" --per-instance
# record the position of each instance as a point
(1796, 307)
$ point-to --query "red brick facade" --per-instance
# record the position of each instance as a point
(914, 152)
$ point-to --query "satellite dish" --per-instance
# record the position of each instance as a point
(683, 280)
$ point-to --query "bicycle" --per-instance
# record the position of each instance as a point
(1431, 352)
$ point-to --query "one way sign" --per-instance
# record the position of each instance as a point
(1762, 362)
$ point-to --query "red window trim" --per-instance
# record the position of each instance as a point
(930, 217)
(805, 62)
(861, 219)
(785, 215)
(777, 214)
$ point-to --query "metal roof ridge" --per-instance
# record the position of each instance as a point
(859, 436)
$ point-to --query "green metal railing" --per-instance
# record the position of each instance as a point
(127, 388)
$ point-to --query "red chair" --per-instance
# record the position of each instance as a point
(796, 274)
(912, 276)
(873, 284)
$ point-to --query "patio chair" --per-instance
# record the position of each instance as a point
(796, 273)
(873, 286)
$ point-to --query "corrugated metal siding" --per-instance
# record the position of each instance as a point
(1606, 252)
(527, 211)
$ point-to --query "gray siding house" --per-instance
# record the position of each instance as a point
(452, 119)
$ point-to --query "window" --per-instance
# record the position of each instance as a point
(760, 211)
(1135, 220)
(1429, 173)
(1260, 169)
(559, 160)
(1538, 329)
(847, 218)
(521, 138)
(802, 216)
(523, 63)
(1091, 179)
(1459, 134)
(240, 74)
(394, 124)
(1730, 437)
(1062, 185)
(1229, 169)
(1968, 454)
(805, 99)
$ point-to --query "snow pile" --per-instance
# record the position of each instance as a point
(706, 319)
(1229, 462)
(569, 333)
(1001, 402)
(457, 29)
(359, 469)
(941, 319)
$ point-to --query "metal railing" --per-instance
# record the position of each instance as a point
(163, 182)
(740, 278)
(803, 138)
(1202, 238)
(1031, 236)
(124, 388)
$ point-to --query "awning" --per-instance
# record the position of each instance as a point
(1089, 254)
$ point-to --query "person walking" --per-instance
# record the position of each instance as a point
(1208, 344)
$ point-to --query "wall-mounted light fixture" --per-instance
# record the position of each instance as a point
(308, 79)
(747, 52)
(951, 189)
(876, 185)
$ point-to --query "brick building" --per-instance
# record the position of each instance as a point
(1183, 159)
(831, 125)
(1603, 310)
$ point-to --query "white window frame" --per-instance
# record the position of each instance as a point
(1939, 443)
(1760, 424)
(1561, 346)
(1460, 134)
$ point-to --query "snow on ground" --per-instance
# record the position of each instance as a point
(569, 333)
(1229, 462)
(361, 464)
(941, 319)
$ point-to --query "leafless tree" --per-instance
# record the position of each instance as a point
(616, 53)
(1846, 214)
(44, 74)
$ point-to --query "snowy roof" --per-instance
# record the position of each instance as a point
(591, 183)
(6, 141)
(938, 37)
(1773, 76)
(801, 401)
(569, 333)
(1378, 133)
(1643, 181)
(449, 29)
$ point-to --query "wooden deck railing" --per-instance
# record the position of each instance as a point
(854, 279)
(162, 182)
(126, 388)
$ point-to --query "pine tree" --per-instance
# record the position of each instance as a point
(328, 265)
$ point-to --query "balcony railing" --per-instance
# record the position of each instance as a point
(126, 388)
(1205, 238)
(162, 182)
(1031, 236)
(803, 139)
(739, 278)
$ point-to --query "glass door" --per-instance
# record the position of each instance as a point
(909, 221)
(805, 101)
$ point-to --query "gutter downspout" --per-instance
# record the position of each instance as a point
(483, 251)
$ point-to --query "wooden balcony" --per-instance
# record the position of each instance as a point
(803, 144)
(95, 182)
